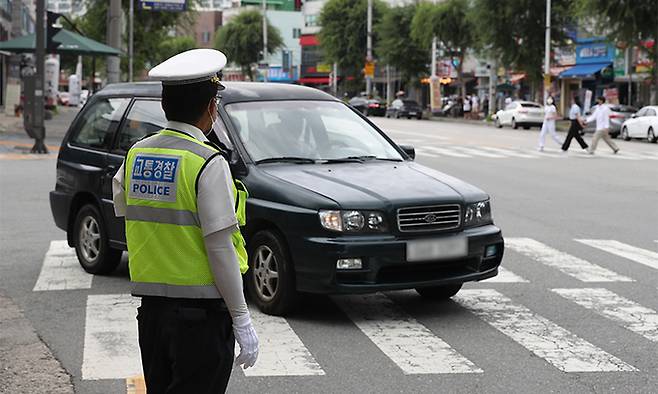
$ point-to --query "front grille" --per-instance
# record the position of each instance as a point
(429, 218)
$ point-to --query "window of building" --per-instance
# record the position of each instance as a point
(296, 32)
(310, 20)
(205, 37)
(99, 122)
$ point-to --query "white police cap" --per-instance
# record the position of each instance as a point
(195, 65)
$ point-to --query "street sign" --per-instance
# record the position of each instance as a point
(162, 5)
(369, 69)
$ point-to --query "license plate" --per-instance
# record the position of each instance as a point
(412, 113)
(437, 249)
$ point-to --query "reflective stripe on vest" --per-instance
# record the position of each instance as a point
(174, 291)
(162, 215)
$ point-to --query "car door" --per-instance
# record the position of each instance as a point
(650, 119)
(507, 113)
(144, 116)
(635, 124)
(85, 158)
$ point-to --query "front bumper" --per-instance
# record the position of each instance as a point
(385, 266)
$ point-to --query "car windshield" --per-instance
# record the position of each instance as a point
(410, 103)
(530, 105)
(316, 130)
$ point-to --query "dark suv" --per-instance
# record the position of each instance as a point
(335, 206)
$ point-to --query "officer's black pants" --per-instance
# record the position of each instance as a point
(186, 345)
(574, 132)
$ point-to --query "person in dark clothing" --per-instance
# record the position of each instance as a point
(577, 124)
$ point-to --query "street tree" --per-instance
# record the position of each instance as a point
(629, 22)
(344, 34)
(450, 22)
(241, 39)
(514, 31)
(395, 46)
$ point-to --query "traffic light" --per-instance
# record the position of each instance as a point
(51, 29)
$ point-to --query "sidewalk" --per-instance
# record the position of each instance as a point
(14, 139)
(26, 363)
(562, 125)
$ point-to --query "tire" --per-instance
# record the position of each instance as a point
(497, 123)
(439, 292)
(526, 127)
(419, 116)
(268, 256)
(408, 117)
(624, 134)
(651, 136)
(397, 115)
(514, 125)
(92, 242)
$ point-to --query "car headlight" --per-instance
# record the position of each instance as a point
(477, 214)
(353, 221)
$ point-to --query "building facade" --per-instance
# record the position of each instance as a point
(16, 20)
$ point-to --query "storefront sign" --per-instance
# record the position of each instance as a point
(435, 94)
(162, 5)
(599, 52)
(611, 95)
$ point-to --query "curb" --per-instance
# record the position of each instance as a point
(26, 363)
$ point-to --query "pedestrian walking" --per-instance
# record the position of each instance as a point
(602, 117)
(467, 107)
(577, 124)
(550, 118)
(186, 252)
(475, 107)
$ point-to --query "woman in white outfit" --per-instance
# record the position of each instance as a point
(550, 116)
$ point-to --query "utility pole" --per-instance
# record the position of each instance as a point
(38, 128)
(369, 47)
(547, 50)
(492, 76)
(131, 17)
(264, 4)
(114, 40)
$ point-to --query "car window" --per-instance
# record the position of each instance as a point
(145, 117)
(310, 129)
(510, 106)
(98, 123)
(651, 112)
(641, 112)
(410, 103)
(530, 105)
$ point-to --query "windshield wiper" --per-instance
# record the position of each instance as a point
(358, 159)
(287, 159)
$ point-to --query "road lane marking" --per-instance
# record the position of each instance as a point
(639, 255)
(509, 152)
(558, 346)
(477, 152)
(506, 276)
(573, 266)
(632, 316)
(61, 270)
(111, 349)
(445, 151)
(281, 352)
(409, 344)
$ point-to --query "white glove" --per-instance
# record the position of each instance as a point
(246, 337)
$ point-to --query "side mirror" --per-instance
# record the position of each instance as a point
(634, 116)
(409, 150)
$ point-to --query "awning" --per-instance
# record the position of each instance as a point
(70, 42)
(314, 80)
(583, 70)
(557, 70)
(516, 78)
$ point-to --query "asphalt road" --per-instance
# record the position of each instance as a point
(574, 312)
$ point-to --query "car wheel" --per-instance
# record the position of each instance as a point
(92, 244)
(408, 117)
(624, 134)
(497, 123)
(651, 135)
(397, 115)
(271, 278)
(514, 125)
(439, 292)
(419, 116)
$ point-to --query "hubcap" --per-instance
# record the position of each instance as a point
(266, 273)
(90, 238)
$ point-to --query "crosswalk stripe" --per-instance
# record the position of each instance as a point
(281, 351)
(631, 315)
(639, 255)
(558, 346)
(409, 344)
(61, 270)
(509, 152)
(506, 276)
(445, 151)
(477, 152)
(111, 349)
(573, 266)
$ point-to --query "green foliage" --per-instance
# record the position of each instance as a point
(626, 21)
(242, 39)
(514, 31)
(344, 33)
(175, 45)
(395, 46)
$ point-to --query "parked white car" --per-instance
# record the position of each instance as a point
(643, 124)
(520, 113)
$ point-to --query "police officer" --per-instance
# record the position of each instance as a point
(186, 252)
